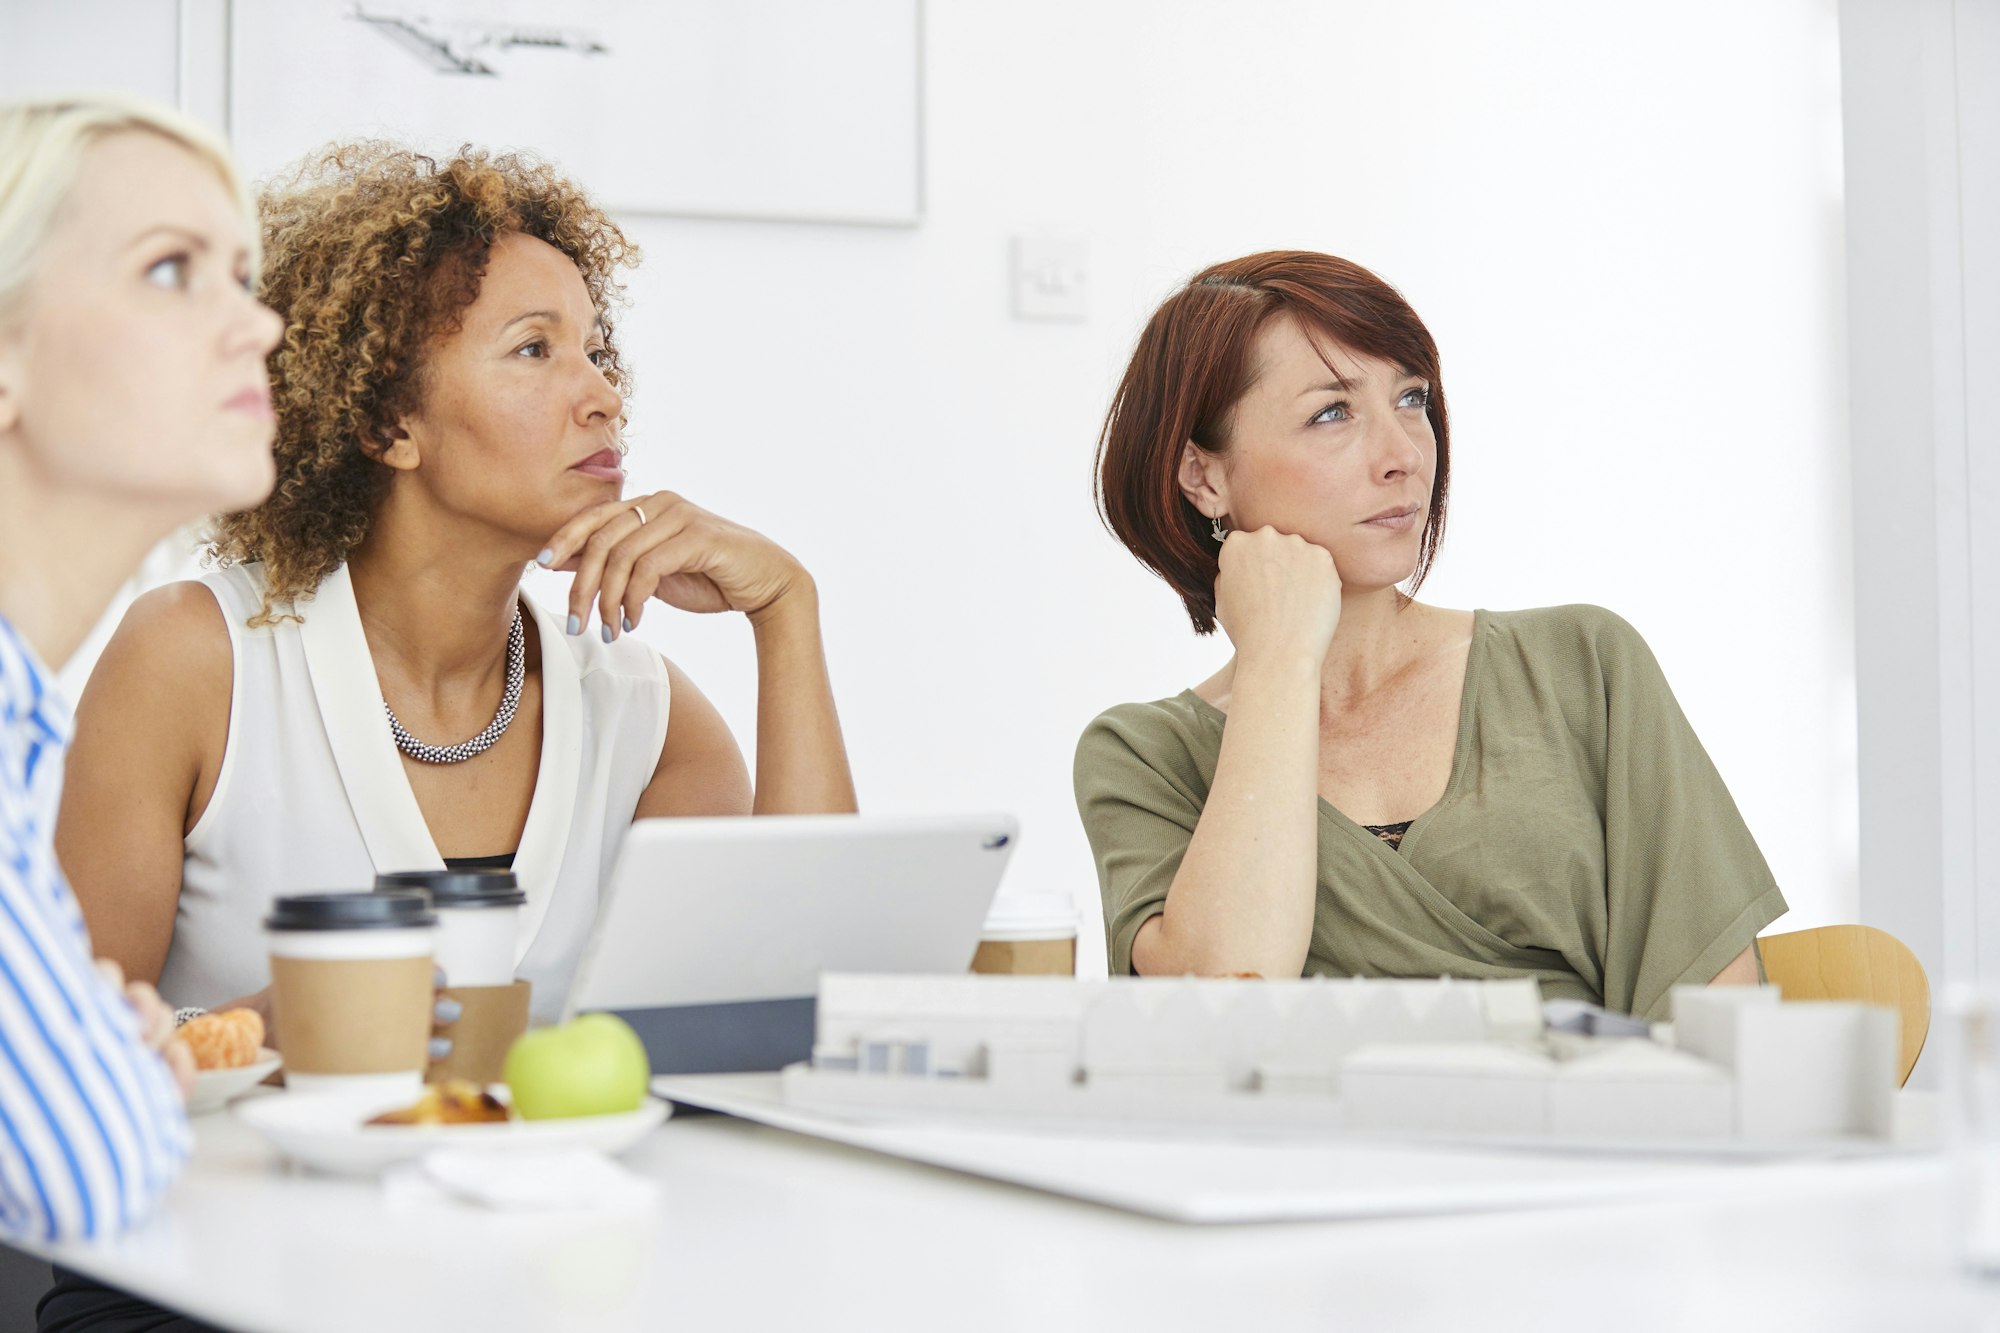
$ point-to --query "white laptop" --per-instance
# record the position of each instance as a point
(713, 932)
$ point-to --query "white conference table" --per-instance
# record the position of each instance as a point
(757, 1228)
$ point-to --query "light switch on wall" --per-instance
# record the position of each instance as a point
(1051, 278)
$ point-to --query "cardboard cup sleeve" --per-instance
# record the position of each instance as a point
(1019, 958)
(493, 1017)
(352, 1016)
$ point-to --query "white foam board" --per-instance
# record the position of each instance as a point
(1815, 1068)
(1227, 1180)
(1477, 1088)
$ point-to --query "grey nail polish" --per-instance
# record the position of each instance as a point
(607, 634)
(576, 624)
(547, 557)
(440, 1048)
(438, 981)
(449, 1011)
(628, 623)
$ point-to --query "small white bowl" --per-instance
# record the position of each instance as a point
(214, 1087)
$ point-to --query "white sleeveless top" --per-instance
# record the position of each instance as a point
(312, 794)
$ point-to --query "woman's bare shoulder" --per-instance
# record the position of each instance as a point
(155, 709)
(179, 624)
(170, 651)
(1444, 626)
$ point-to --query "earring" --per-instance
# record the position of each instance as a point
(1215, 529)
(622, 448)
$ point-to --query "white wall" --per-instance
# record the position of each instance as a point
(1622, 223)
(1923, 247)
(128, 45)
(1625, 232)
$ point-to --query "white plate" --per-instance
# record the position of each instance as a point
(325, 1130)
(213, 1087)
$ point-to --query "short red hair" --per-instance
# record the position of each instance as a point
(1191, 366)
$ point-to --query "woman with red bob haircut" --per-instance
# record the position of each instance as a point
(1373, 786)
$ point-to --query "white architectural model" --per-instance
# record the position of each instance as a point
(1464, 1058)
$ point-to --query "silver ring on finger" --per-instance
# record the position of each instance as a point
(641, 513)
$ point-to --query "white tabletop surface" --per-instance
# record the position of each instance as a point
(758, 1228)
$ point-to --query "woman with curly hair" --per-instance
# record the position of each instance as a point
(362, 686)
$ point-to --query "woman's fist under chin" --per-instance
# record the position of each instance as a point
(1277, 595)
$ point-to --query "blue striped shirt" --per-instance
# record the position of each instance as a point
(92, 1130)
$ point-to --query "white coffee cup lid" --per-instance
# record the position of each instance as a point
(1031, 916)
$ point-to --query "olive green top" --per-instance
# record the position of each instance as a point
(1584, 838)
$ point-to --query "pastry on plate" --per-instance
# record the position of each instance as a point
(455, 1101)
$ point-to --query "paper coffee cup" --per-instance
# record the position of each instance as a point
(479, 914)
(490, 1020)
(351, 987)
(1028, 934)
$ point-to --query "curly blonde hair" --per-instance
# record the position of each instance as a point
(371, 251)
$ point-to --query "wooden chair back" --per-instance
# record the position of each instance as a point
(1854, 963)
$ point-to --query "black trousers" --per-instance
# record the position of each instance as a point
(77, 1304)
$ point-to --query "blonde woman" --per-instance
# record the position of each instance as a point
(132, 399)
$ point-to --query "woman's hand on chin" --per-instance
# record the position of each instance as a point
(1277, 597)
(626, 552)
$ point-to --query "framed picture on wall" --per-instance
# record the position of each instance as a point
(781, 109)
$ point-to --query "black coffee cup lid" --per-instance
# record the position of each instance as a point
(458, 888)
(350, 911)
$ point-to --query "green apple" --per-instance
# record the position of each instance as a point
(593, 1066)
